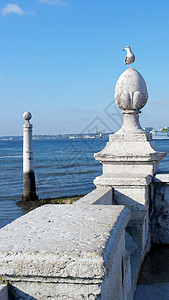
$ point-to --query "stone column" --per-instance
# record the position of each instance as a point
(131, 158)
(29, 187)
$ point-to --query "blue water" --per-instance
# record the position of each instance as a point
(62, 168)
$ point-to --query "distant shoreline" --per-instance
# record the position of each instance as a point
(97, 135)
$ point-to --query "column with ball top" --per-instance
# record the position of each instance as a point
(29, 187)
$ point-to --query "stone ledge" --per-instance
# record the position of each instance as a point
(69, 241)
(100, 196)
(132, 151)
(130, 137)
(123, 180)
(161, 177)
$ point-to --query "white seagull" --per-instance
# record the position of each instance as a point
(130, 57)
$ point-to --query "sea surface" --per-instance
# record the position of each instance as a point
(64, 167)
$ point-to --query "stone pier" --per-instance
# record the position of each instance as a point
(130, 160)
(29, 187)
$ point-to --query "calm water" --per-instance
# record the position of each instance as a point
(62, 168)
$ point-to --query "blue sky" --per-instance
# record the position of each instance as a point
(60, 60)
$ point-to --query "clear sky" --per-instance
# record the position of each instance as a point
(60, 60)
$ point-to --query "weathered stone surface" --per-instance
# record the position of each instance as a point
(160, 220)
(131, 245)
(99, 196)
(131, 90)
(130, 151)
(123, 180)
(131, 95)
(29, 187)
(55, 291)
(67, 251)
(161, 177)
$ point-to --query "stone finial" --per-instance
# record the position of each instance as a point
(27, 116)
(131, 91)
(131, 95)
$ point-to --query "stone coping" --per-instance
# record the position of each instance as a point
(99, 196)
(61, 241)
(130, 151)
(150, 157)
(130, 137)
(124, 180)
(161, 177)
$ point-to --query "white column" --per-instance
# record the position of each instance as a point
(29, 187)
(28, 164)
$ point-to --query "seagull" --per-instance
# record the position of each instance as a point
(130, 57)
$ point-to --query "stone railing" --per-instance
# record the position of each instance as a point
(98, 196)
(160, 220)
(68, 251)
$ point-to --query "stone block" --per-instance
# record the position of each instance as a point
(100, 196)
(66, 252)
(136, 198)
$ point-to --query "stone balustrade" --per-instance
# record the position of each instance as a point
(98, 196)
(160, 217)
(68, 251)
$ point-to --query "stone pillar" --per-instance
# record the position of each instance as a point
(29, 187)
(131, 158)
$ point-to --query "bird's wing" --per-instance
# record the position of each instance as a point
(126, 59)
